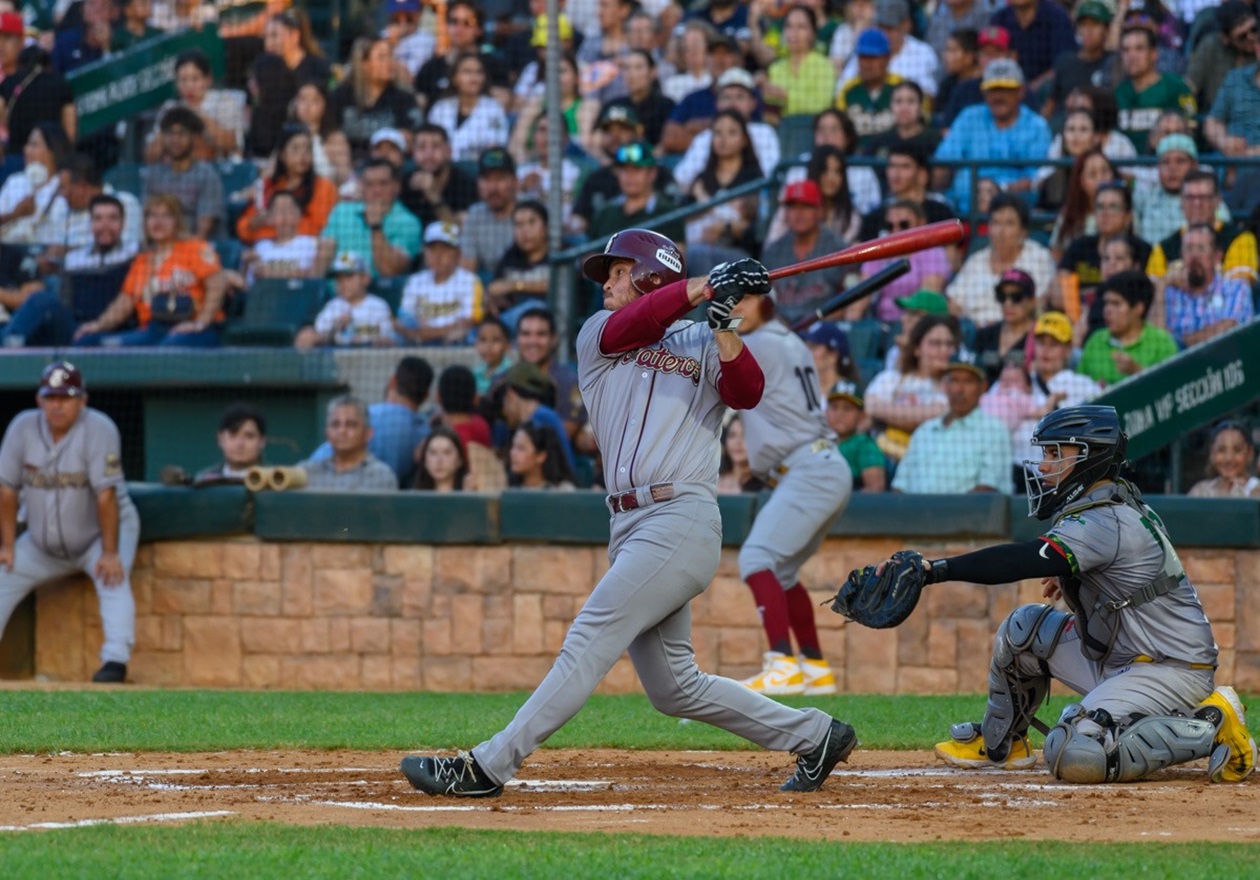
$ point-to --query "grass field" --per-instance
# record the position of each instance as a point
(41, 721)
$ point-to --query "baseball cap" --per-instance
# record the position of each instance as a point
(348, 263)
(890, 13)
(563, 26)
(388, 136)
(995, 35)
(737, 76)
(723, 40)
(828, 334)
(442, 232)
(496, 159)
(804, 192)
(958, 363)
(1095, 9)
(404, 6)
(845, 390)
(1002, 73)
(1179, 143)
(1017, 278)
(928, 301)
(636, 155)
(11, 23)
(618, 114)
(529, 379)
(1055, 325)
(872, 43)
(61, 379)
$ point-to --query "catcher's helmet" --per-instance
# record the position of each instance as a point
(657, 260)
(1096, 430)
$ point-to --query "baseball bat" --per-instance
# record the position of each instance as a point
(284, 478)
(256, 479)
(908, 241)
(850, 295)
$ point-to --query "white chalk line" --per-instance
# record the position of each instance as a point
(120, 820)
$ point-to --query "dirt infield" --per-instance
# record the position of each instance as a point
(902, 796)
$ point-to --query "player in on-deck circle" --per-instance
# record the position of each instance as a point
(1135, 643)
(791, 447)
(656, 388)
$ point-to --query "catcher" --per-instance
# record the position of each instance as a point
(1136, 643)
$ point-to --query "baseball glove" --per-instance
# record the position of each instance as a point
(746, 276)
(882, 600)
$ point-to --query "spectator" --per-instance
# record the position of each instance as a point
(522, 279)
(369, 99)
(351, 467)
(1090, 171)
(1145, 91)
(44, 96)
(579, 114)
(845, 416)
(331, 150)
(992, 43)
(909, 57)
(618, 126)
(293, 171)
(1157, 203)
(598, 55)
(1231, 459)
(534, 174)
(537, 460)
(378, 229)
(527, 391)
(726, 231)
(1201, 205)
(806, 238)
(961, 64)
(1090, 64)
(473, 120)
(12, 37)
(1215, 57)
(81, 183)
(909, 126)
(734, 470)
(866, 97)
(91, 41)
(222, 111)
(174, 289)
(531, 84)
(175, 15)
(736, 91)
(1100, 103)
(1203, 303)
(803, 83)
(353, 316)
(833, 362)
(902, 398)
(1000, 128)
(1129, 343)
(643, 93)
(291, 58)
(639, 203)
(915, 308)
(412, 44)
(457, 398)
(398, 425)
(537, 343)
(79, 517)
(1079, 136)
(287, 254)
(971, 292)
(952, 16)
(389, 144)
(242, 438)
(437, 189)
(908, 172)
(827, 169)
(488, 229)
(832, 128)
(929, 268)
(1040, 31)
(465, 31)
(441, 303)
(1080, 269)
(196, 185)
(28, 197)
(693, 71)
(695, 111)
(964, 450)
(494, 353)
(443, 463)
(995, 343)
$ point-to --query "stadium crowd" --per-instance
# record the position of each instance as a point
(408, 166)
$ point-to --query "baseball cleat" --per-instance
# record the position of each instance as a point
(813, 769)
(112, 672)
(1234, 758)
(972, 755)
(457, 777)
(819, 679)
(780, 676)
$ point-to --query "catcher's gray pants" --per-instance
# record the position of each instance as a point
(794, 522)
(663, 556)
(32, 567)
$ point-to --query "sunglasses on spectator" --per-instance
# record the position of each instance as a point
(631, 154)
(1014, 296)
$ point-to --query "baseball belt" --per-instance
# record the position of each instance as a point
(629, 500)
(1172, 661)
(816, 447)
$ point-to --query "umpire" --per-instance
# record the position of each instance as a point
(64, 461)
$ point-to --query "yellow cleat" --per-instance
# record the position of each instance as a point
(780, 676)
(819, 679)
(972, 755)
(1234, 758)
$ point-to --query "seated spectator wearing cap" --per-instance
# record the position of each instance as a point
(996, 343)
(1157, 203)
(287, 254)
(473, 120)
(370, 99)
(929, 268)
(1002, 127)
(950, 17)
(725, 232)
(617, 126)
(1054, 384)
(802, 83)
(908, 56)
(829, 346)
(1145, 91)
(222, 111)
(389, 144)
(643, 93)
(695, 111)
(12, 37)
(1202, 302)
(196, 185)
(412, 44)
(1129, 343)
(437, 188)
(293, 170)
(736, 91)
(527, 395)
(798, 295)
(1089, 64)
(353, 317)
(915, 308)
(1010, 247)
(638, 203)
(1216, 56)
(441, 303)
(845, 416)
(488, 229)
(1040, 31)
(522, 279)
(908, 173)
(1201, 205)
(866, 97)
(965, 450)
(377, 229)
(351, 467)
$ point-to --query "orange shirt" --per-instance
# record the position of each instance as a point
(185, 270)
(323, 200)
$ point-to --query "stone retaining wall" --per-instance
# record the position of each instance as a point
(240, 613)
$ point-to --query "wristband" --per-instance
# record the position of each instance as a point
(938, 572)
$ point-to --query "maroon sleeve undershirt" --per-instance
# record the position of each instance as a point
(645, 320)
(741, 382)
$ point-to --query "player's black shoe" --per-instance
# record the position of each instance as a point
(813, 769)
(458, 777)
(111, 673)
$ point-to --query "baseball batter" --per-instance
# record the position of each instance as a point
(791, 447)
(63, 462)
(1136, 644)
(655, 388)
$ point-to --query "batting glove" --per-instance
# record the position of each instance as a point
(719, 313)
(740, 277)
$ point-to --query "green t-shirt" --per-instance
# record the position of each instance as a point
(1152, 347)
(1140, 110)
(871, 114)
(861, 453)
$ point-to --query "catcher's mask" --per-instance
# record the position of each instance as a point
(1094, 432)
(657, 260)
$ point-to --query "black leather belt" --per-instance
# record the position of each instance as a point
(629, 500)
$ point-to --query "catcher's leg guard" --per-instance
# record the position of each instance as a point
(1084, 747)
(1014, 696)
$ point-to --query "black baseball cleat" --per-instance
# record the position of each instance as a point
(111, 673)
(457, 777)
(813, 769)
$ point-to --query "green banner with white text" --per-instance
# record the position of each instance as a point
(126, 83)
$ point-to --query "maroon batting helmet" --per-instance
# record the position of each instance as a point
(657, 260)
(61, 379)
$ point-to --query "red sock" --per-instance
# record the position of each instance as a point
(773, 607)
(800, 610)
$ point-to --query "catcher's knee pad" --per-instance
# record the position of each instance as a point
(1013, 696)
(1084, 747)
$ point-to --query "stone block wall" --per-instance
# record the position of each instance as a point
(240, 613)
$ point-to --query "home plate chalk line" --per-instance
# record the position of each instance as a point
(121, 820)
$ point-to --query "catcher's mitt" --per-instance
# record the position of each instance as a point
(884, 600)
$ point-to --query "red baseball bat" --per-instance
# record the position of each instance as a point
(944, 232)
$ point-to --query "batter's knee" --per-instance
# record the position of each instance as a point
(754, 559)
(676, 696)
